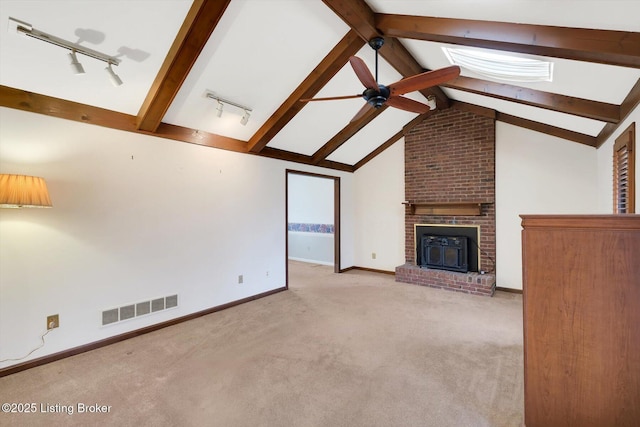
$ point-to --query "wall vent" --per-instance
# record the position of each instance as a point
(109, 316)
(127, 312)
(157, 304)
(171, 301)
(130, 311)
(143, 308)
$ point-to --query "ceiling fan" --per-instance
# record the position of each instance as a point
(378, 95)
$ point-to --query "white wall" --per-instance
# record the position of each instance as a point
(536, 174)
(605, 165)
(317, 248)
(176, 218)
(310, 199)
(134, 218)
(379, 211)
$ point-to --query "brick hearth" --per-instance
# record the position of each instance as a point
(470, 283)
(450, 157)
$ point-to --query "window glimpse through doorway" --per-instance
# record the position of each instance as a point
(624, 172)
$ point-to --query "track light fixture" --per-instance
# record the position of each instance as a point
(245, 118)
(431, 102)
(247, 111)
(27, 30)
(219, 109)
(76, 66)
(115, 80)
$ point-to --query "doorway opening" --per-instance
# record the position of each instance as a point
(312, 218)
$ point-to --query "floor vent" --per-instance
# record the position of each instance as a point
(143, 308)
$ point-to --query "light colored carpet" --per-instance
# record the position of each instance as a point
(354, 349)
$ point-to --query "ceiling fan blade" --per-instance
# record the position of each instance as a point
(424, 80)
(364, 110)
(407, 104)
(332, 98)
(363, 73)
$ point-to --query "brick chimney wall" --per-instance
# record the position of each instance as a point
(450, 157)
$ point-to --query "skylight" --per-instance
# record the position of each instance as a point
(501, 66)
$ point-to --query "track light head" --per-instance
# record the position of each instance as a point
(245, 118)
(219, 109)
(76, 66)
(431, 102)
(115, 80)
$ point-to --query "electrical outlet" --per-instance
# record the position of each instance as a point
(373, 255)
(53, 321)
(240, 279)
(267, 273)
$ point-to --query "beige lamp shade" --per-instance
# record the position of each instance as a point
(22, 191)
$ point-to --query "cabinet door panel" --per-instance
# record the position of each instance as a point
(582, 326)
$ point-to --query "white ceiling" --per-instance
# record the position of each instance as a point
(261, 50)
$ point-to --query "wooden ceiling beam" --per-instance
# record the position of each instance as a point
(388, 143)
(415, 122)
(360, 17)
(192, 136)
(201, 20)
(317, 79)
(356, 14)
(550, 101)
(276, 153)
(602, 46)
(631, 101)
(547, 129)
(68, 110)
(399, 57)
(395, 138)
(61, 108)
(343, 136)
(475, 109)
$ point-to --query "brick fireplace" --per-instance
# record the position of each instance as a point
(450, 181)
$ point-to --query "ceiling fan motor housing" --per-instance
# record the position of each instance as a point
(376, 98)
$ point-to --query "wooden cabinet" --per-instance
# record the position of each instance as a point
(581, 296)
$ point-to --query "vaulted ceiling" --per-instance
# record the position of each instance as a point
(268, 55)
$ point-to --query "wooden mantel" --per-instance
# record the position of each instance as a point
(446, 208)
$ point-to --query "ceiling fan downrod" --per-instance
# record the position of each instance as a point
(376, 43)
(376, 98)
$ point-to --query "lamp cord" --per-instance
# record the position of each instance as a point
(486, 254)
(32, 351)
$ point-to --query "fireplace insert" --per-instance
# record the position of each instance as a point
(445, 252)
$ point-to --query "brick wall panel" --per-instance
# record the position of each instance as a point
(450, 157)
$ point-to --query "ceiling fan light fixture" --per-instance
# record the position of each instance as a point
(76, 66)
(501, 66)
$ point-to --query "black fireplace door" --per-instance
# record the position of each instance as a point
(445, 253)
